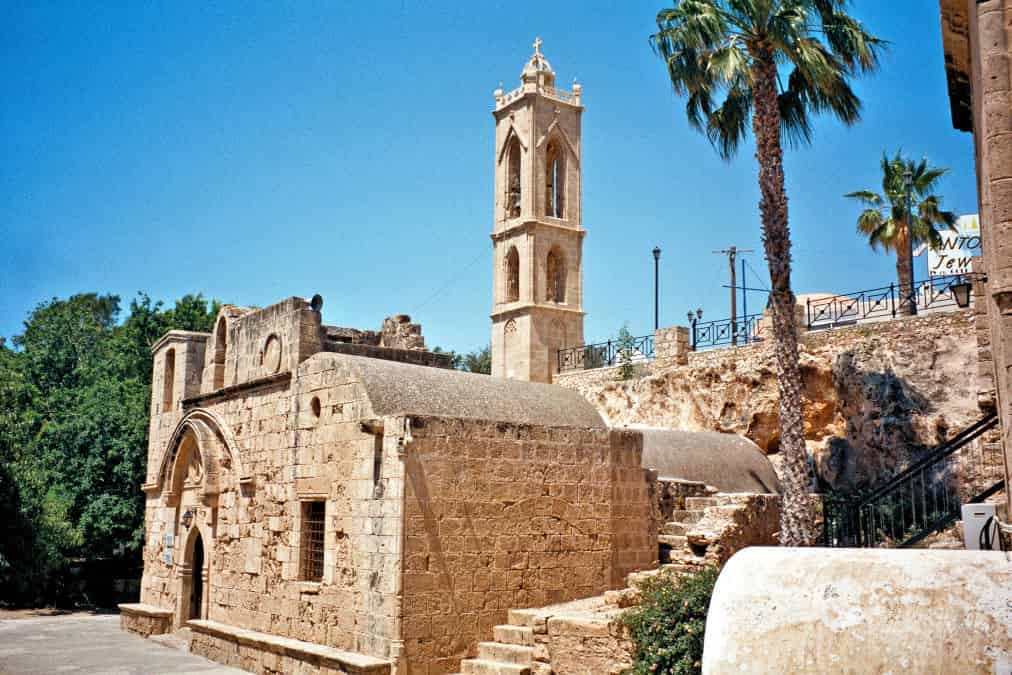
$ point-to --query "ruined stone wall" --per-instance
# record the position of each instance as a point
(298, 442)
(500, 516)
(874, 393)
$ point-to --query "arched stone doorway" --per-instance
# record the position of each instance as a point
(192, 575)
(197, 579)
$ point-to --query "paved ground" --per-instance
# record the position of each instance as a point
(89, 643)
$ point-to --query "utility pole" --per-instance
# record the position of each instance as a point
(732, 254)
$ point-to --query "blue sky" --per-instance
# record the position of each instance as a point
(253, 151)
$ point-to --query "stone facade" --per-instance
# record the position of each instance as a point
(538, 235)
(977, 37)
(303, 496)
(875, 394)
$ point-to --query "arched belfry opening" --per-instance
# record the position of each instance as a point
(512, 275)
(513, 182)
(555, 276)
(555, 180)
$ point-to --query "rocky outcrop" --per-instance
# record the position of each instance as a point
(875, 395)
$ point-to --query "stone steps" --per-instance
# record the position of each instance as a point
(674, 541)
(506, 653)
(687, 516)
(484, 667)
(514, 635)
(700, 503)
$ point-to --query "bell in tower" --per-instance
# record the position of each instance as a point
(537, 237)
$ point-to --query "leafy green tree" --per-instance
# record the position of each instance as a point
(626, 352)
(74, 403)
(668, 625)
(887, 223)
(478, 361)
(774, 63)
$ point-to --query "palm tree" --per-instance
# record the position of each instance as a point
(887, 223)
(776, 62)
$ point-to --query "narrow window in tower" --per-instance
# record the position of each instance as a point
(555, 276)
(512, 275)
(555, 181)
(512, 199)
(168, 380)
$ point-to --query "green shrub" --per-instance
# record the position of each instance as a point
(667, 626)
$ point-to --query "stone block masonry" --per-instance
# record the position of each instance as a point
(513, 516)
(875, 394)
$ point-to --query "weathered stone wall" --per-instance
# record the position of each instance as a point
(777, 610)
(500, 516)
(295, 449)
(873, 393)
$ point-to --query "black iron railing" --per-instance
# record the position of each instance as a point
(827, 312)
(604, 354)
(925, 498)
(740, 331)
(885, 302)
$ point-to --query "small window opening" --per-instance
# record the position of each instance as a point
(512, 275)
(314, 405)
(377, 466)
(169, 380)
(313, 520)
(220, 348)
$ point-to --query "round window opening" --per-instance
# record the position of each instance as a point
(314, 405)
(272, 354)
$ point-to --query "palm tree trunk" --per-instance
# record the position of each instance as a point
(905, 271)
(796, 522)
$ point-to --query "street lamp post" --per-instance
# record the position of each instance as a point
(657, 258)
(694, 318)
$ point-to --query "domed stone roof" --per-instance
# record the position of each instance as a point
(538, 62)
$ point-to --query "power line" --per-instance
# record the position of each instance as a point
(449, 283)
(731, 254)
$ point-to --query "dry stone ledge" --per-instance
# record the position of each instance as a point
(143, 619)
(860, 611)
(271, 653)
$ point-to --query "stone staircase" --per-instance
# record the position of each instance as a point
(674, 549)
(510, 653)
(519, 647)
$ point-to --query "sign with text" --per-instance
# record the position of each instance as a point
(957, 249)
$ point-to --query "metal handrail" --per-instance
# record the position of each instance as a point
(923, 498)
(878, 302)
(605, 354)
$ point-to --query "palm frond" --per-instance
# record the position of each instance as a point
(866, 197)
(728, 126)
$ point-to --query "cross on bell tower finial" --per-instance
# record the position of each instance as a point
(537, 46)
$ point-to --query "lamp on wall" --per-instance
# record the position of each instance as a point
(961, 293)
(187, 519)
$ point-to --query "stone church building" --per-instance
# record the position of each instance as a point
(329, 500)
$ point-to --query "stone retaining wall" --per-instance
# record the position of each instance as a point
(875, 394)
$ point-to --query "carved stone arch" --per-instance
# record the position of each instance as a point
(555, 131)
(200, 431)
(510, 135)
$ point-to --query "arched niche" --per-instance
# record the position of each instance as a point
(198, 451)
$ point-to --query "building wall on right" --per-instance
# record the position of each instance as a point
(977, 40)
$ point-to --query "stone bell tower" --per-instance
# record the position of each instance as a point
(538, 234)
